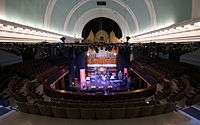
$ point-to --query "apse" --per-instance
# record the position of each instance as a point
(101, 24)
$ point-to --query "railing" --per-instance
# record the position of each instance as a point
(139, 93)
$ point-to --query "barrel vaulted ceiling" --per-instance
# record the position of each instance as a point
(70, 16)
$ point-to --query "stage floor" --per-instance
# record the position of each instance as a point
(99, 83)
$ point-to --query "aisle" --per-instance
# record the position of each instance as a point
(194, 112)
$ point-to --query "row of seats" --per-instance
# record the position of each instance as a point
(101, 104)
(95, 112)
(97, 101)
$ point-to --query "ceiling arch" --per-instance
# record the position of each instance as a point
(48, 13)
(149, 4)
(95, 13)
(77, 6)
(195, 8)
(53, 14)
(152, 12)
(2, 8)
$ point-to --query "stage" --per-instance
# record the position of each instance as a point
(105, 84)
(101, 72)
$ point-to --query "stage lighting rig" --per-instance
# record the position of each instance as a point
(101, 47)
(110, 48)
(63, 39)
(128, 38)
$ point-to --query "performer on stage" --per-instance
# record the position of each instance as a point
(120, 75)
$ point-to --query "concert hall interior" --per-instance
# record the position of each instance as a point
(97, 62)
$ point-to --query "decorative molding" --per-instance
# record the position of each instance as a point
(95, 13)
(131, 13)
(46, 16)
(10, 32)
(186, 31)
(48, 13)
(2, 8)
(195, 8)
(152, 12)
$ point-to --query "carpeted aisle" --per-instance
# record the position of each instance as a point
(192, 112)
(4, 111)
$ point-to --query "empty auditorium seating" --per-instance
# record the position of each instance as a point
(33, 108)
(73, 113)
(85, 106)
(132, 112)
(103, 113)
(87, 113)
(59, 112)
(23, 107)
(45, 109)
(117, 113)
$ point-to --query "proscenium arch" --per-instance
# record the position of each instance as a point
(51, 4)
(96, 13)
(102, 24)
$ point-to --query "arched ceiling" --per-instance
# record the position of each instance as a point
(66, 16)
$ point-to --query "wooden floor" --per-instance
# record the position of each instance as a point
(175, 118)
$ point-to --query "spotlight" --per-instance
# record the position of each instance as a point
(115, 54)
(128, 38)
(88, 54)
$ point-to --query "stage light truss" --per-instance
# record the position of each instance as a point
(187, 31)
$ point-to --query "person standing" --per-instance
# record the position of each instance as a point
(120, 75)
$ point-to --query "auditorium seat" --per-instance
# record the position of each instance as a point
(145, 111)
(59, 112)
(45, 110)
(73, 113)
(87, 113)
(33, 108)
(169, 108)
(23, 107)
(103, 113)
(132, 112)
(117, 105)
(117, 113)
(158, 109)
